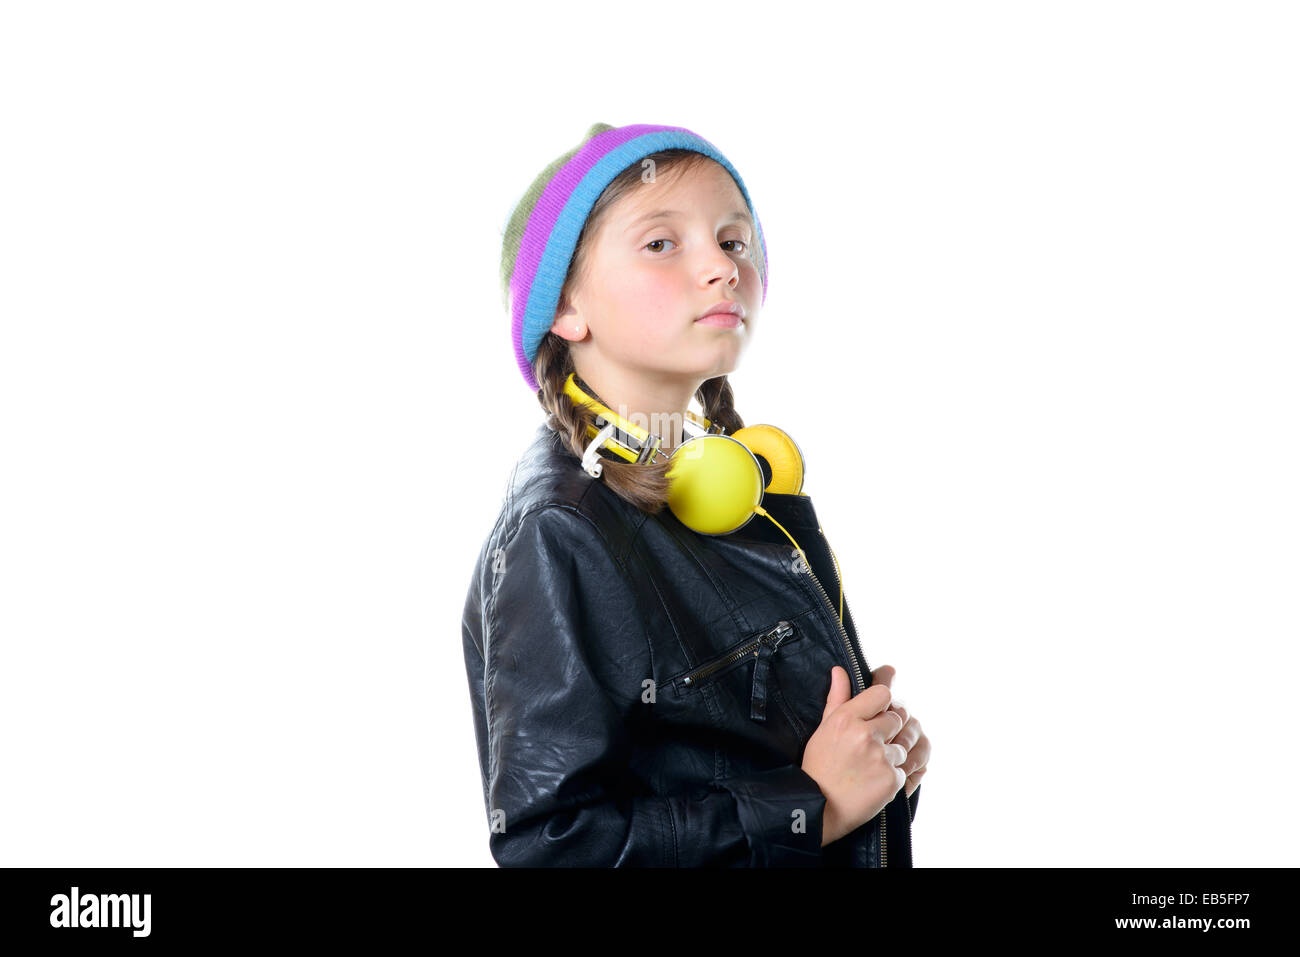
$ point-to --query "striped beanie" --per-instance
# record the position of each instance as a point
(542, 234)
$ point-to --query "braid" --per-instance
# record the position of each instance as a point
(644, 486)
(717, 400)
(552, 367)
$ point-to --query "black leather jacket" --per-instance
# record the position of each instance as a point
(642, 694)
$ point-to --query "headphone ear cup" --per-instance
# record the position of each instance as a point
(715, 482)
(778, 455)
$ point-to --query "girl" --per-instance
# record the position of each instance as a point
(656, 680)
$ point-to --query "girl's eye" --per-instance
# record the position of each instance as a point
(738, 242)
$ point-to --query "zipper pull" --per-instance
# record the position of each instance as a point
(766, 648)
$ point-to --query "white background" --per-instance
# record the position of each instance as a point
(1032, 319)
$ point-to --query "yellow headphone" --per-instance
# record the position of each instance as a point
(717, 481)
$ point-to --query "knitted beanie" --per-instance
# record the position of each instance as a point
(542, 234)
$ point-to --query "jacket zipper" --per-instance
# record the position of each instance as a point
(848, 646)
(782, 631)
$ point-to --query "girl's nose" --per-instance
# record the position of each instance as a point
(721, 266)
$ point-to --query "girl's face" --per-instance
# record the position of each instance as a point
(662, 256)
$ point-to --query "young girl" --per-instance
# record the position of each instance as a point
(658, 671)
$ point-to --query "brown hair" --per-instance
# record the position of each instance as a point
(645, 486)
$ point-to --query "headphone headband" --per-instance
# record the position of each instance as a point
(627, 440)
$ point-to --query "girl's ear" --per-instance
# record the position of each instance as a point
(569, 325)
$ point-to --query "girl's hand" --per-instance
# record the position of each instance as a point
(851, 758)
(910, 736)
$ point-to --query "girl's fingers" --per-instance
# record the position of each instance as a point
(908, 734)
(911, 784)
(920, 751)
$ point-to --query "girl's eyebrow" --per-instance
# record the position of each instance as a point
(737, 216)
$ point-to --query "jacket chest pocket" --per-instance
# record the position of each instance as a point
(760, 650)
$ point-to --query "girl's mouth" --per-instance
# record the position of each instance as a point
(725, 319)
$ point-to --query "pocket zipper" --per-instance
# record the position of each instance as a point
(773, 638)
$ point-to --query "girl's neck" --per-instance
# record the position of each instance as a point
(657, 405)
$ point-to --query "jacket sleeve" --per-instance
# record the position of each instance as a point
(914, 800)
(556, 654)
